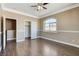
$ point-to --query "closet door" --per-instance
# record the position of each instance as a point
(33, 30)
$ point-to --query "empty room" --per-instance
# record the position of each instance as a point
(39, 29)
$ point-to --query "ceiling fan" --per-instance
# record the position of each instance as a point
(40, 6)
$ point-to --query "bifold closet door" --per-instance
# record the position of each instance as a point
(33, 30)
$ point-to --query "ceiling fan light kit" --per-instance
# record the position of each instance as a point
(40, 6)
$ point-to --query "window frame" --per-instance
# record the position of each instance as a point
(49, 25)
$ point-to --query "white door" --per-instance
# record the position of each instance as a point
(33, 30)
(27, 31)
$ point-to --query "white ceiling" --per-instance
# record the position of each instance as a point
(25, 8)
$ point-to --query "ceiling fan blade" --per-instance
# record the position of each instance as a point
(44, 7)
(34, 6)
(45, 3)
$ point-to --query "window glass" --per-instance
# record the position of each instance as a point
(50, 25)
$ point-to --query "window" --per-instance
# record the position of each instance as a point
(49, 25)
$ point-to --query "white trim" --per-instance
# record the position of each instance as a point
(39, 36)
(11, 38)
(4, 28)
(62, 10)
(19, 40)
(68, 31)
(60, 41)
(15, 11)
(65, 31)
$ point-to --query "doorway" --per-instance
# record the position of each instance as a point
(10, 30)
(27, 30)
(30, 29)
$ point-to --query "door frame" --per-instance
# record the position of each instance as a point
(25, 26)
(32, 27)
(4, 30)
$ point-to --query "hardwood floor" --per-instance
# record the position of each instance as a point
(38, 47)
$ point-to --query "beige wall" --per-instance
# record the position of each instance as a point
(66, 21)
(20, 22)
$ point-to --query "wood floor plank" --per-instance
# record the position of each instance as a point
(38, 47)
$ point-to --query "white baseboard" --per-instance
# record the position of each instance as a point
(39, 37)
(34, 38)
(19, 40)
(66, 31)
(59, 41)
(11, 38)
